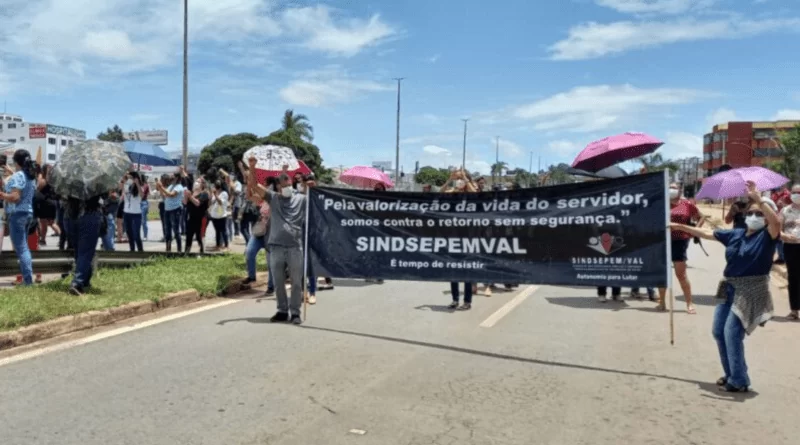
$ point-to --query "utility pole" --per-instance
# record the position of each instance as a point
(530, 170)
(464, 154)
(496, 159)
(397, 139)
(185, 84)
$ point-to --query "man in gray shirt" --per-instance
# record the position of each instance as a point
(285, 241)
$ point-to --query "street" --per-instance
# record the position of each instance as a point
(389, 365)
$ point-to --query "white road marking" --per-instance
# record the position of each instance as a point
(111, 333)
(508, 307)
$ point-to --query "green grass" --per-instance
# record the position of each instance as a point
(115, 287)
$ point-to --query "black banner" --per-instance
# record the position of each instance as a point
(598, 233)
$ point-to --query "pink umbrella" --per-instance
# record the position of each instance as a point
(733, 183)
(365, 177)
(615, 149)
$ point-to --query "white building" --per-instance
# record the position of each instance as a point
(15, 133)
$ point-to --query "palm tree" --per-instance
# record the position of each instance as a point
(498, 168)
(655, 162)
(297, 125)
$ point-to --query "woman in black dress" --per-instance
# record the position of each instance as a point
(47, 202)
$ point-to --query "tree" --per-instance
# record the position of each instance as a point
(557, 174)
(225, 152)
(498, 168)
(656, 163)
(789, 165)
(112, 134)
(432, 176)
(303, 150)
(297, 125)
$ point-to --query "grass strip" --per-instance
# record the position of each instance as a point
(24, 306)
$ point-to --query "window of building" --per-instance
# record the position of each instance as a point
(12, 140)
(764, 134)
(22, 138)
(69, 143)
(51, 156)
(63, 142)
(707, 139)
(17, 119)
(51, 141)
(10, 126)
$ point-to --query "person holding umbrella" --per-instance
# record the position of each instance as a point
(745, 285)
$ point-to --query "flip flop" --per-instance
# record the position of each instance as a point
(691, 310)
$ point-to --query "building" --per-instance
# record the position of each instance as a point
(15, 133)
(191, 158)
(743, 144)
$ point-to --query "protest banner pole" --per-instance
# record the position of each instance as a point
(305, 259)
(668, 263)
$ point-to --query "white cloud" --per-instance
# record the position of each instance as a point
(594, 108)
(328, 88)
(510, 148)
(436, 150)
(787, 115)
(100, 39)
(564, 147)
(679, 145)
(324, 34)
(721, 116)
(432, 139)
(145, 117)
(434, 58)
(655, 6)
(593, 40)
(440, 157)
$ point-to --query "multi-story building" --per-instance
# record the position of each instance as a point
(51, 139)
(743, 144)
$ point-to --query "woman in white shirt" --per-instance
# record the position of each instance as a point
(219, 214)
(132, 210)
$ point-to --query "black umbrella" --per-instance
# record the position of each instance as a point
(612, 172)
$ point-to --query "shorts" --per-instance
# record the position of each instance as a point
(679, 248)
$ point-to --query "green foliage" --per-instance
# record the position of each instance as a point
(225, 153)
(656, 163)
(557, 174)
(432, 176)
(297, 125)
(498, 168)
(789, 144)
(112, 134)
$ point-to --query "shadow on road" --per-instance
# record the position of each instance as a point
(434, 308)
(354, 283)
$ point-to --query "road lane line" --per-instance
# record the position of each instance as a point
(508, 307)
(111, 333)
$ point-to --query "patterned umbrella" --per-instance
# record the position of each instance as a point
(270, 160)
(366, 177)
(733, 183)
(89, 169)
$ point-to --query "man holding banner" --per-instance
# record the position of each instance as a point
(285, 241)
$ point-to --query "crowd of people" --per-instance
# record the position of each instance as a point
(270, 215)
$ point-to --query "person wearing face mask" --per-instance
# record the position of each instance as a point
(458, 183)
(682, 211)
(196, 201)
(171, 189)
(18, 203)
(736, 213)
(744, 287)
(285, 241)
(219, 214)
(790, 224)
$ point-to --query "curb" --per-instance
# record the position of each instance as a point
(92, 319)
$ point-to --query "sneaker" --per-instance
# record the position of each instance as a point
(602, 298)
(269, 292)
(312, 299)
(75, 290)
(279, 317)
(487, 291)
(248, 280)
(465, 307)
(296, 320)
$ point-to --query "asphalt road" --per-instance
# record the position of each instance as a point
(559, 368)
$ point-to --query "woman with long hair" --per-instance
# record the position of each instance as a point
(145, 205)
(132, 210)
(18, 198)
(460, 183)
(171, 188)
(47, 203)
(219, 214)
(196, 201)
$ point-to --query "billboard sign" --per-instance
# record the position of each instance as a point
(66, 131)
(382, 165)
(37, 131)
(155, 137)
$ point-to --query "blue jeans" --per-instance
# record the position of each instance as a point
(145, 210)
(312, 279)
(172, 222)
(245, 228)
(254, 246)
(83, 233)
(779, 249)
(729, 334)
(132, 223)
(270, 281)
(108, 240)
(18, 231)
(467, 292)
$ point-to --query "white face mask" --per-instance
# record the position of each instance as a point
(755, 222)
(674, 193)
(459, 184)
(286, 192)
(796, 198)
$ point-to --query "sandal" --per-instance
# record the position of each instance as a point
(793, 316)
(661, 308)
(691, 310)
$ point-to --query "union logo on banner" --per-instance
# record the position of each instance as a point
(37, 132)
(606, 243)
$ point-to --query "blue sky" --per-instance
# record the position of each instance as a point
(546, 76)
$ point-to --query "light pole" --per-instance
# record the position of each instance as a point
(496, 159)
(530, 170)
(185, 84)
(397, 139)
(464, 153)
